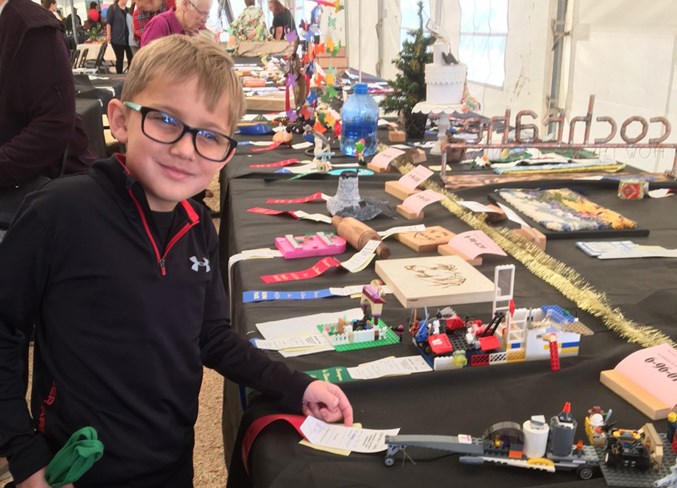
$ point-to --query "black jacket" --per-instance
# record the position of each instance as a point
(122, 329)
(37, 95)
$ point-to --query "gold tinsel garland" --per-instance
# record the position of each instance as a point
(557, 274)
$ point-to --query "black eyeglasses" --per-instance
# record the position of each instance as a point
(167, 129)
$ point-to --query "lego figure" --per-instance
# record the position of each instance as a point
(672, 429)
(359, 151)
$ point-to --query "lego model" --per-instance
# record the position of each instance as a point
(535, 445)
(640, 449)
(631, 458)
(595, 424)
(369, 331)
(512, 335)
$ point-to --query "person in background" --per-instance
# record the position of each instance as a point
(250, 25)
(93, 14)
(283, 21)
(188, 17)
(133, 44)
(119, 273)
(69, 21)
(117, 34)
(37, 94)
(146, 10)
(51, 6)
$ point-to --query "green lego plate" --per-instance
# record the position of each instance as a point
(390, 338)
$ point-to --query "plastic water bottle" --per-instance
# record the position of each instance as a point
(359, 119)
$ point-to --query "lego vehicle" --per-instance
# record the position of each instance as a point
(509, 444)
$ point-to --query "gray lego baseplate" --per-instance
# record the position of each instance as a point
(634, 478)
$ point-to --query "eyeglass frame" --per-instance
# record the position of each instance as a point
(202, 14)
(143, 110)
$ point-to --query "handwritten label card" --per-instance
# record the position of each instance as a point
(383, 159)
(477, 207)
(415, 177)
(341, 437)
(475, 242)
(655, 369)
(418, 201)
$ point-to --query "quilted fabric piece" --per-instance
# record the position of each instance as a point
(564, 210)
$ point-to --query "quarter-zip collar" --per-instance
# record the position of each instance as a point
(116, 169)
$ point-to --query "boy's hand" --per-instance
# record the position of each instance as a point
(37, 480)
(327, 402)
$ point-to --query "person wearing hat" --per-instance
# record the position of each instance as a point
(283, 21)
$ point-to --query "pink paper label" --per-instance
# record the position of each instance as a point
(383, 159)
(475, 242)
(653, 369)
(415, 177)
(416, 202)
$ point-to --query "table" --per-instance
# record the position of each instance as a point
(450, 402)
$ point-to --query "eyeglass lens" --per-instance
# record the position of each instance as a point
(164, 128)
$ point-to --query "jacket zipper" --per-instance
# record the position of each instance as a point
(161, 259)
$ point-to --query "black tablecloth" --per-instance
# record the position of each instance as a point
(451, 402)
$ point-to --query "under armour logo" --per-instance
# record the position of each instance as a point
(197, 263)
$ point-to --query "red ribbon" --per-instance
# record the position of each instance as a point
(276, 164)
(267, 148)
(259, 424)
(313, 272)
(310, 198)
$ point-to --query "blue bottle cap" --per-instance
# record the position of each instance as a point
(361, 88)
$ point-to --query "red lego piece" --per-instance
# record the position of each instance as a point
(440, 345)
(554, 355)
(490, 343)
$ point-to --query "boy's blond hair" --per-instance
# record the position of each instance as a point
(178, 58)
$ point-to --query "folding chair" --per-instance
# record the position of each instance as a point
(75, 55)
(99, 65)
(83, 58)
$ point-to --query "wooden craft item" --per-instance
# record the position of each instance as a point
(417, 155)
(378, 169)
(407, 214)
(357, 234)
(435, 281)
(532, 235)
(400, 192)
(644, 401)
(426, 240)
(447, 250)
(397, 136)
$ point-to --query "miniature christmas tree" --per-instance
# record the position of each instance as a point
(409, 84)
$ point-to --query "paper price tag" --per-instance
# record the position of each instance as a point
(401, 229)
(362, 258)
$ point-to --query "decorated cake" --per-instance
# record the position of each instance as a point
(445, 83)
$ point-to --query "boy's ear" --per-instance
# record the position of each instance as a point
(117, 120)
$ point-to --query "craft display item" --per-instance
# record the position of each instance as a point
(632, 189)
(564, 210)
(348, 203)
(435, 281)
(319, 244)
(426, 240)
(357, 234)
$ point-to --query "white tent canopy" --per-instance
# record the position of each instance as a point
(622, 51)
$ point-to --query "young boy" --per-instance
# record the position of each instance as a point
(119, 274)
